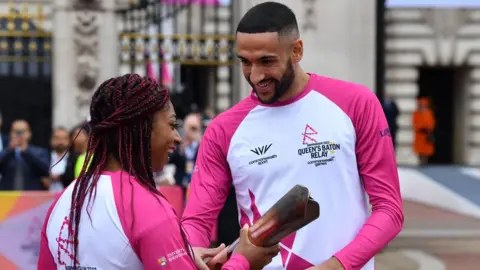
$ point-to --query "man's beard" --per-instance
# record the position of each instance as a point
(60, 149)
(281, 86)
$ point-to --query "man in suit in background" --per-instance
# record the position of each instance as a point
(62, 161)
(3, 137)
(391, 111)
(22, 165)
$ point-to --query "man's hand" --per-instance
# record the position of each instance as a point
(205, 254)
(46, 181)
(331, 264)
(23, 146)
(14, 142)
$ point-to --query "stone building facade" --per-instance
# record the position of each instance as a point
(339, 40)
(435, 37)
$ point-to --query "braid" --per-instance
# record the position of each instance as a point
(121, 124)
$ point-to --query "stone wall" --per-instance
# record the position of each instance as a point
(434, 37)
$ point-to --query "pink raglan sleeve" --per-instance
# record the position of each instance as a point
(45, 258)
(209, 188)
(162, 247)
(378, 170)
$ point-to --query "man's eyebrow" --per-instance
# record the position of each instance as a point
(264, 57)
(267, 57)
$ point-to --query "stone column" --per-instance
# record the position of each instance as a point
(338, 36)
(85, 54)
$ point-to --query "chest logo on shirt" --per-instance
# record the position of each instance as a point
(319, 153)
(179, 253)
(262, 155)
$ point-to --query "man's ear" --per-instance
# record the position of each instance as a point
(297, 51)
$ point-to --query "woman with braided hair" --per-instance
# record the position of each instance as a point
(112, 216)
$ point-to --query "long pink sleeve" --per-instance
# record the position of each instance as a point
(378, 170)
(236, 262)
(159, 249)
(208, 190)
(212, 179)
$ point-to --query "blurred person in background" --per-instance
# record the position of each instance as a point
(391, 113)
(207, 117)
(62, 161)
(79, 138)
(185, 155)
(423, 122)
(3, 137)
(23, 165)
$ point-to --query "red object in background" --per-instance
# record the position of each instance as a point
(174, 195)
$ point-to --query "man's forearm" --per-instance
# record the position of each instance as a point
(197, 232)
(377, 232)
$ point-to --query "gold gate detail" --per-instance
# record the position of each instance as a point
(22, 34)
(187, 49)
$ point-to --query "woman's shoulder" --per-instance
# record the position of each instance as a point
(138, 205)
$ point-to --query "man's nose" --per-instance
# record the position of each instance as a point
(257, 75)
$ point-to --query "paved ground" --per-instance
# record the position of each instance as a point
(433, 239)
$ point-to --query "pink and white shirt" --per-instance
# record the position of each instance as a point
(332, 138)
(129, 228)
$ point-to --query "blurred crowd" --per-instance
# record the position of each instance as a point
(27, 167)
(24, 166)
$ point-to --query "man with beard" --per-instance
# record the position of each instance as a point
(298, 128)
(61, 161)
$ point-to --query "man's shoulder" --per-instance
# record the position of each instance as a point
(226, 123)
(342, 91)
(323, 83)
(38, 149)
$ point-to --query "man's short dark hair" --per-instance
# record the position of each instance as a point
(269, 17)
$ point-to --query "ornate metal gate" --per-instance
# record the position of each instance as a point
(25, 70)
(186, 44)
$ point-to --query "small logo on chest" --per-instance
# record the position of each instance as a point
(261, 151)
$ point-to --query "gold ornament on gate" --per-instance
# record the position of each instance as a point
(33, 46)
(47, 46)
(3, 45)
(210, 50)
(196, 50)
(18, 45)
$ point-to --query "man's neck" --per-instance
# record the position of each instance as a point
(299, 83)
